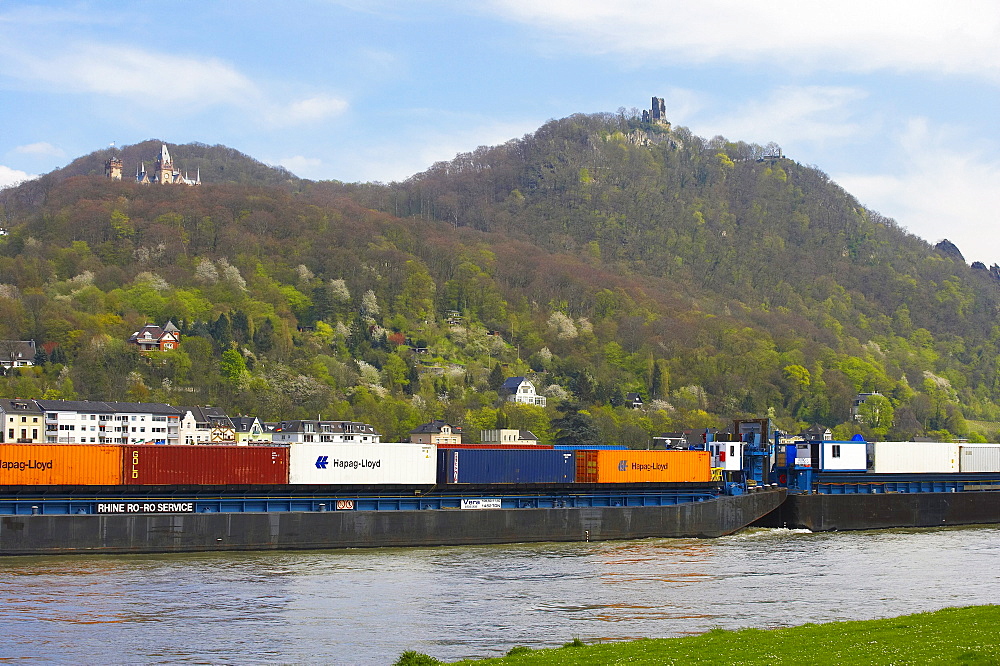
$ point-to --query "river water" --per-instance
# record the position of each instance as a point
(368, 606)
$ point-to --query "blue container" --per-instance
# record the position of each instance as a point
(505, 466)
(594, 447)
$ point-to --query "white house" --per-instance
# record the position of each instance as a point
(334, 432)
(519, 389)
(92, 422)
(507, 437)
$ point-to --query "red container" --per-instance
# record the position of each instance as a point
(496, 446)
(183, 465)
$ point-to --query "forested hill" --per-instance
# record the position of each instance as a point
(218, 164)
(598, 256)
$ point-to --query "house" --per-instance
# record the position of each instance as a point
(816, 433)
(93, 422)
(23, 422)
(249, 429)
(206, 425)
(337, 432)
(436, 432)
(508, 437)
(633, 401)
(17, 353)
(519, 389)
(859, 400)
(153, 338)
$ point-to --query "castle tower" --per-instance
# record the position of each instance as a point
(658, 113)
(163, 171)
(113, 168)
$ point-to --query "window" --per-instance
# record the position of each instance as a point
(732, 449)
(835, 451)
(10, 433)
(34, 433)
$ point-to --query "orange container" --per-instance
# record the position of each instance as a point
(60, 465)
(643, 467)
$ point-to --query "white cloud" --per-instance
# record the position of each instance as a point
(788, 115)
(312, 109)
(40, 148)
(853, 35)
(304, 167)
(147, 77)
(10, 176)
(940, 192)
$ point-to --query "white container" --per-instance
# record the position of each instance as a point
(979, 458)
(915, 458)
(362, 464)
(844, 456)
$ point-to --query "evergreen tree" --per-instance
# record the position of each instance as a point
(496, 378)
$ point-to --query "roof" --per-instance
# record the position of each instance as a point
(244, 423)
(335, 427)
(17, 349)
(632, 397)
(434, 427)
(94, 406)
(22, 405)
(511, 383)
(208, 415)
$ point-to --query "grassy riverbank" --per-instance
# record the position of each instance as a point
(969, 636)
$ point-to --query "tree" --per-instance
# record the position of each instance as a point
(876, 413)
(496, 378)
(576, 428)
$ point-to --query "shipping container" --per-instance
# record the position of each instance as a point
(643, 467)
(593, 447)
(483, 466)
(915, 457)
(363, 464)
(60, 465)
(979, 458)
(204, 465)
(529, 447)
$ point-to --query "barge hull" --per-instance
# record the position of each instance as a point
(871, 511)
(161, 533)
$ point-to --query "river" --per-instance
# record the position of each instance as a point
(368, 606)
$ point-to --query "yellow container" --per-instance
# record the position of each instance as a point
(643, 467)
(60, 465)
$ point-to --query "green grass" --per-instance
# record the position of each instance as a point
(966, 636)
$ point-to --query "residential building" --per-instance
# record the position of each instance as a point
(17, 353)
(633, 401)
(436, 432)
(23, 422)
(250, 430)
(92, 422)
(153, 338)
(859, 400)
(337, 432)
(816, 433)
(206, 425)
(519, 389)
(505, 437)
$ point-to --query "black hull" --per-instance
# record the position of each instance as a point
(863, 511)
(144, 533)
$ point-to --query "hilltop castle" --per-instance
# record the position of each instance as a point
(163, 171)
(657, 114)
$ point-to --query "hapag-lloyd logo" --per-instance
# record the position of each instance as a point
(623, 466)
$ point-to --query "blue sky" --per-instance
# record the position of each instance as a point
(896, 101)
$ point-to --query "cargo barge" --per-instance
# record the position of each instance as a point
(370, 522)
(858, 485)
(168, 498)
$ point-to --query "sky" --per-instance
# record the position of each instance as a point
(896, 101)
